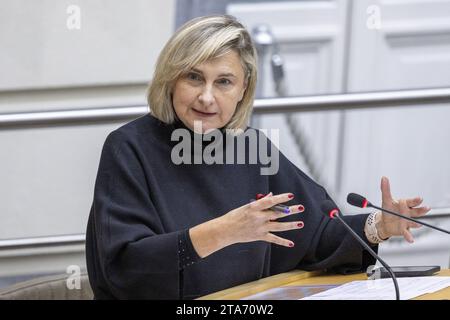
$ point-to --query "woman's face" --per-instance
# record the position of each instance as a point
(210, 92)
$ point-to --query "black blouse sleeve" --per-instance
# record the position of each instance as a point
(186, 253)
(137, 258)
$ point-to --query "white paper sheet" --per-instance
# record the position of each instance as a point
(383, 289)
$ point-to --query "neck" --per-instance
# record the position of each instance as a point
(178, 124)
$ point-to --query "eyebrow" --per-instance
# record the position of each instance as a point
(220, 75)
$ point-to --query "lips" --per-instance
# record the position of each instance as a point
(204, 114)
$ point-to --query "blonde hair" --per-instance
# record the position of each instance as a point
(197, 41)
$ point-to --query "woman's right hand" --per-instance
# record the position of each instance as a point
(255, 221)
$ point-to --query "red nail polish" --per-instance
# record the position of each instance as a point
(291, 244)
(301, 208)
(260, 195)
(290, 196)
(300, 224)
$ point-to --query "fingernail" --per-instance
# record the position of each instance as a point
(290, 196)
(301, 208)
(260, 195)
(300, 224)
(291, 244)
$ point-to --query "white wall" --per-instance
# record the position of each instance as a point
(108, 61)
(118, 42)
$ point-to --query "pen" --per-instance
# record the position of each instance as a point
(278, 207)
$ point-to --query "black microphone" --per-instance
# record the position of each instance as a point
(330, 210)
(361, 202)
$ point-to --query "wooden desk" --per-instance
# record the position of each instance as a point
(302, 278)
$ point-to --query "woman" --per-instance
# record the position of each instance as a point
(164, 227)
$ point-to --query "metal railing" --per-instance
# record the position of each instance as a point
(67, 117)
(36, 242)
(351, 101)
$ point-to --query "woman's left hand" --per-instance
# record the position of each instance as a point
(391, 225)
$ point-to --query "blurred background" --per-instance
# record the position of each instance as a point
(359, 89)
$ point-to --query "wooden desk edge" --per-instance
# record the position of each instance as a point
(257, 286)
(291, 277)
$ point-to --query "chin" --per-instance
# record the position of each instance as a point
(205, 126)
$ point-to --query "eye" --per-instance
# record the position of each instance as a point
(224, 81)
(193, 76)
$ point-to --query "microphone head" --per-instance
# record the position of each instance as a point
(357, 200)
(329, 209)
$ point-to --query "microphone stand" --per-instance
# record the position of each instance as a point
(372, 253)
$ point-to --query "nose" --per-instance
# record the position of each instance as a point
(206, 96)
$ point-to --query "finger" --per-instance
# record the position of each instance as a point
(414, 202)
(278, 240)
(269, 201)
(419, 212)
(278, 215)
(258, 196)
(298, 208)
(408, 236)
(386, 190)
(414, 225)
(285, 226)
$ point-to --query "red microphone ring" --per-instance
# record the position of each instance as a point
(365, 203)
(333, 213)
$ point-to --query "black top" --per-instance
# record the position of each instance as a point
(137, 240)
